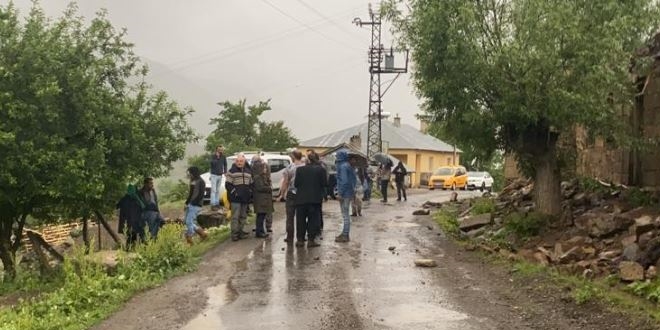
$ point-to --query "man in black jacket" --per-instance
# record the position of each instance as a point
(400, 178)
(310, 183)
(239, 185)
(218, 169)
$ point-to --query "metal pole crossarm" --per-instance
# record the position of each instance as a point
(376, 56)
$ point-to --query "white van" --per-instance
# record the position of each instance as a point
(277, 162)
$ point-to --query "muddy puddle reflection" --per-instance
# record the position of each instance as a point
(219, 296)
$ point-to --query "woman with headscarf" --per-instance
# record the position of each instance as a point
(263, 196)
(194, 204)
(131, 222)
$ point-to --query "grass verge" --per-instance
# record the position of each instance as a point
(82, 293)
(606, 291)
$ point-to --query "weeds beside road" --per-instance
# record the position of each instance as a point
(82, 292)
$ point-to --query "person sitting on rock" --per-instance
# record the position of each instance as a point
(151, 213)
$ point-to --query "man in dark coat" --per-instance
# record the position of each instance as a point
(310, 183)
(400, 178)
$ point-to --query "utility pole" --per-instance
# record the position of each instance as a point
(377, 55)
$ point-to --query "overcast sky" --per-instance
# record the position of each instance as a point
(305, 55)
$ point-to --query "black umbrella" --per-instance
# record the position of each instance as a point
(382, 158)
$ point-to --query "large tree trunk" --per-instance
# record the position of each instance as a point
(8, 260)
(6, 252)
(547, 186)
(537, 148)
(85, 234)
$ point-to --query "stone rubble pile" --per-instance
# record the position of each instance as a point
(598, 233)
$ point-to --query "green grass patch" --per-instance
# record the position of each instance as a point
(482, 206)
(649, 290)
(607, 291)
(86, 294)
(527, 269)
(525, 225)
(448, 222)
(585, 293)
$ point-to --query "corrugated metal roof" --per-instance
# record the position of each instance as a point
(404, 137)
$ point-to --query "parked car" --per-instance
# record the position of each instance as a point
(449, 177)
(480, 180)
(276, 161)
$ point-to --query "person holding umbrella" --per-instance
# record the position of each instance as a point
(384, 173)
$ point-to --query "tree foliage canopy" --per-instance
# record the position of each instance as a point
(239, 127)
(516, 74)
(77, 121)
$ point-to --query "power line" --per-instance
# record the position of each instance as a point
(291, 31)
(276, 88)
(320, 14)
(308, 26)
(245, 46)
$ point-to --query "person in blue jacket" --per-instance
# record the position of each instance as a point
(346, 182)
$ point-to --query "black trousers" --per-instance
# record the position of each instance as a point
(308, 220)
(383, 188)
(401, 187)
(290, 216)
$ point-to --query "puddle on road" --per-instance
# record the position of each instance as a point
(420, 313)
(210, 318)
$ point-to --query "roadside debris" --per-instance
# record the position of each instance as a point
(431, 205)
(425, 263)
(600, 232)
(422, 212)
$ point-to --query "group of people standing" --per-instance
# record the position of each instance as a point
(385, 176)
(304, 188)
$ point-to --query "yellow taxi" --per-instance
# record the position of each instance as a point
(449, 177)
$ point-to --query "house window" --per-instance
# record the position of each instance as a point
(431, 164)
(449, 161)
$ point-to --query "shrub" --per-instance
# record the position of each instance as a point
(637, 197)
(591, 185)
(164, 256)
(87, 294)
(525, 225)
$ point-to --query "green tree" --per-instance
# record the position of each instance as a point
(517, 74)
(274, 136)
(238, 127)
(73, 129)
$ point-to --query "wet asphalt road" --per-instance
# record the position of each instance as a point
(359, 285)
(263, 284)
(258, 283)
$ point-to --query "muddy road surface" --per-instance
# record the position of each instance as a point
(369, 283)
